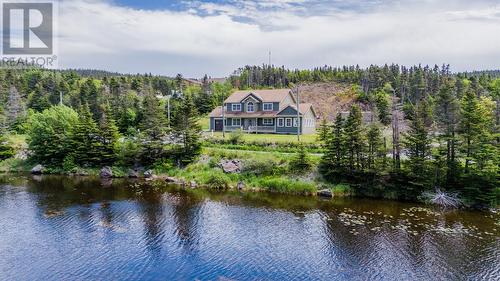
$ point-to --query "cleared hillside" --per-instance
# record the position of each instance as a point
(329, 98)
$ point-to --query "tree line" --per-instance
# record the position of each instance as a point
(102, 119)
(451, 143)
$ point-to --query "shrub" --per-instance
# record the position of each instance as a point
(286, 185)
(6, 150)
(263, 167)
(218, 181)
(128, 152)
(236, 137)
(301, 162)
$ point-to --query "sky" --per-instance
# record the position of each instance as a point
(216, 37)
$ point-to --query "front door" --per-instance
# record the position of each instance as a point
(218, 125)
(249, 123)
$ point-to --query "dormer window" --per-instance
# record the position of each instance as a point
(236, 107)
(268, 106)
(250, 107)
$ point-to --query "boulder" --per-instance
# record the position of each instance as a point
(133, 174)
(231, 166)
(149, 174)
(106, 172)
(241, 185)
(171, 180)
(325, 193)
(193, 184)
(37, 170)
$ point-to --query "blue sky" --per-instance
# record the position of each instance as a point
(216, 37)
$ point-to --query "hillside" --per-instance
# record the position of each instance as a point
(329, 98)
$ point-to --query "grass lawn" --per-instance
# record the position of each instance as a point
(269, 137)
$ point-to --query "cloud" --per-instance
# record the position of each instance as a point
(216, 38)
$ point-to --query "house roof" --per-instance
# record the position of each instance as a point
(303, 108)
(276, 95)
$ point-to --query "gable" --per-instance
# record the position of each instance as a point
(287, 111)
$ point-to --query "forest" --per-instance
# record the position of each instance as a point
(444, 126)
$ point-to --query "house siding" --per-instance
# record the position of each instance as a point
(288, 111)
(288, 130)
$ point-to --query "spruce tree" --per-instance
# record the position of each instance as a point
(38, 101)
(153, 130)
(187, 130)
(324, 132)
(109, 136)
(354, 139)
(417, 142)
(85, 142)
(301, 162)
(375, 149)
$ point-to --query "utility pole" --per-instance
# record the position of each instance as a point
(60, 98)
(168, 110)
(297, 88)
(223, 119)
(269, 58)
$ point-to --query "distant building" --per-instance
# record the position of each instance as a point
(264, 111)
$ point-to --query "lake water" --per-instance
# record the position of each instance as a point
(59, 228)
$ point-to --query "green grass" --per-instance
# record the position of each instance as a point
(204, 122)
(270, 137)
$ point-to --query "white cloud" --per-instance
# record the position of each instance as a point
(218, 38)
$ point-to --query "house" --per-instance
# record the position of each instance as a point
(263, 111)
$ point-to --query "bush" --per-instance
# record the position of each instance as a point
(128, 152)
(236, 137)
(6, 150)
(286, 185)
(264, 167)
(218, 181)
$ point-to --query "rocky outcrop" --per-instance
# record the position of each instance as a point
(327, 193)
(231, 166)
(133, 174)
(241, 185)
(37, 170)
(193, 184)
(106, 172)
(149, 174)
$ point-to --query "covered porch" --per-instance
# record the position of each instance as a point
(251, 125)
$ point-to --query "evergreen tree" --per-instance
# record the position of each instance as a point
(417, 142)
(354, 139)
(375, 148)
(382, 101)
(38, 101)
(301, 162)
(332, 159)
(109, 136)
(447, 116)
(86, 146)
(324, 132)
(187, 130)
(153, 126)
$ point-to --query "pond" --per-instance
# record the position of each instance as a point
(61, 228)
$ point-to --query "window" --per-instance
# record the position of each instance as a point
(236, 107)
(295, 124)
(268, 121)
(280, 122)
(268, 106)
(236, 121)
(250, 107)
(288, 122)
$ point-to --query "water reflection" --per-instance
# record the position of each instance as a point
(82, 228)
